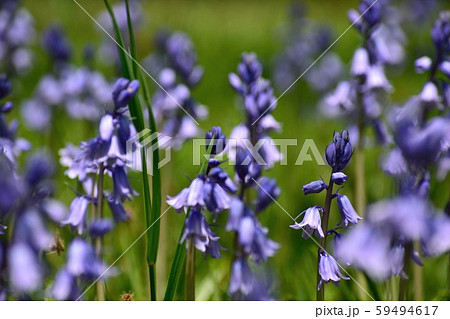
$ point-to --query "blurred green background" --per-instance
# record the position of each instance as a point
(221, 31)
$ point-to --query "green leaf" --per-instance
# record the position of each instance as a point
(152, 215)
(156, 182)
(177, 268)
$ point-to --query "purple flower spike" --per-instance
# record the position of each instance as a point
(329, 270)
(311, 223)
(347, 211)
(314, 187)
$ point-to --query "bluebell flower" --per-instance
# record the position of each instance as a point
(218, 140)
(219, 176)
(18, 33)
(175, 65)
(422, 146)
(242, 279)
(373, 12)
(182, 57)
(11, 186)
(189, 197)
(348, 213)
(39, 167)
(441, 31)
(100, 227)
(56, 44)
(329, 270)
(124, 90)
(216, 198)
(236, 212)
(437, 242)
(339, 152)
(25, 272)
(311, 223)
(118, 211)
(64, 287)
(250, 69)
(338, 178)
(360, 63)
(253, 239)
(5, 87)
(314, 187)
(76, 217)
(246, 168)
(406, 216)
(268, 191)
(81, 260)
(262, 247)
(122, 187)
(197, 229)
(429, 95)
(423, 64)
(30, 229)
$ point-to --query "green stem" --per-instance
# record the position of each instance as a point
(190, 271)
(404, 282)
(152, 278)
(448, 278)
(98, 241)
(320, 295)
(418, 276)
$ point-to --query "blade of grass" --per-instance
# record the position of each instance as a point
(153, 213)
(153, 234)
(176, 270)
(138, 121)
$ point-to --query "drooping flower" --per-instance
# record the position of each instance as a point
(197, 230)
(311, 223)
(348, 213)
(329, 270)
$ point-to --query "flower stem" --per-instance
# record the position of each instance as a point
(98, 241)
(320, 296)
(448, 278)
(418, 276)
(190, 271)
(152, 279)
(404, 282)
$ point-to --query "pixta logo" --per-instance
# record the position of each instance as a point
(143, 145)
